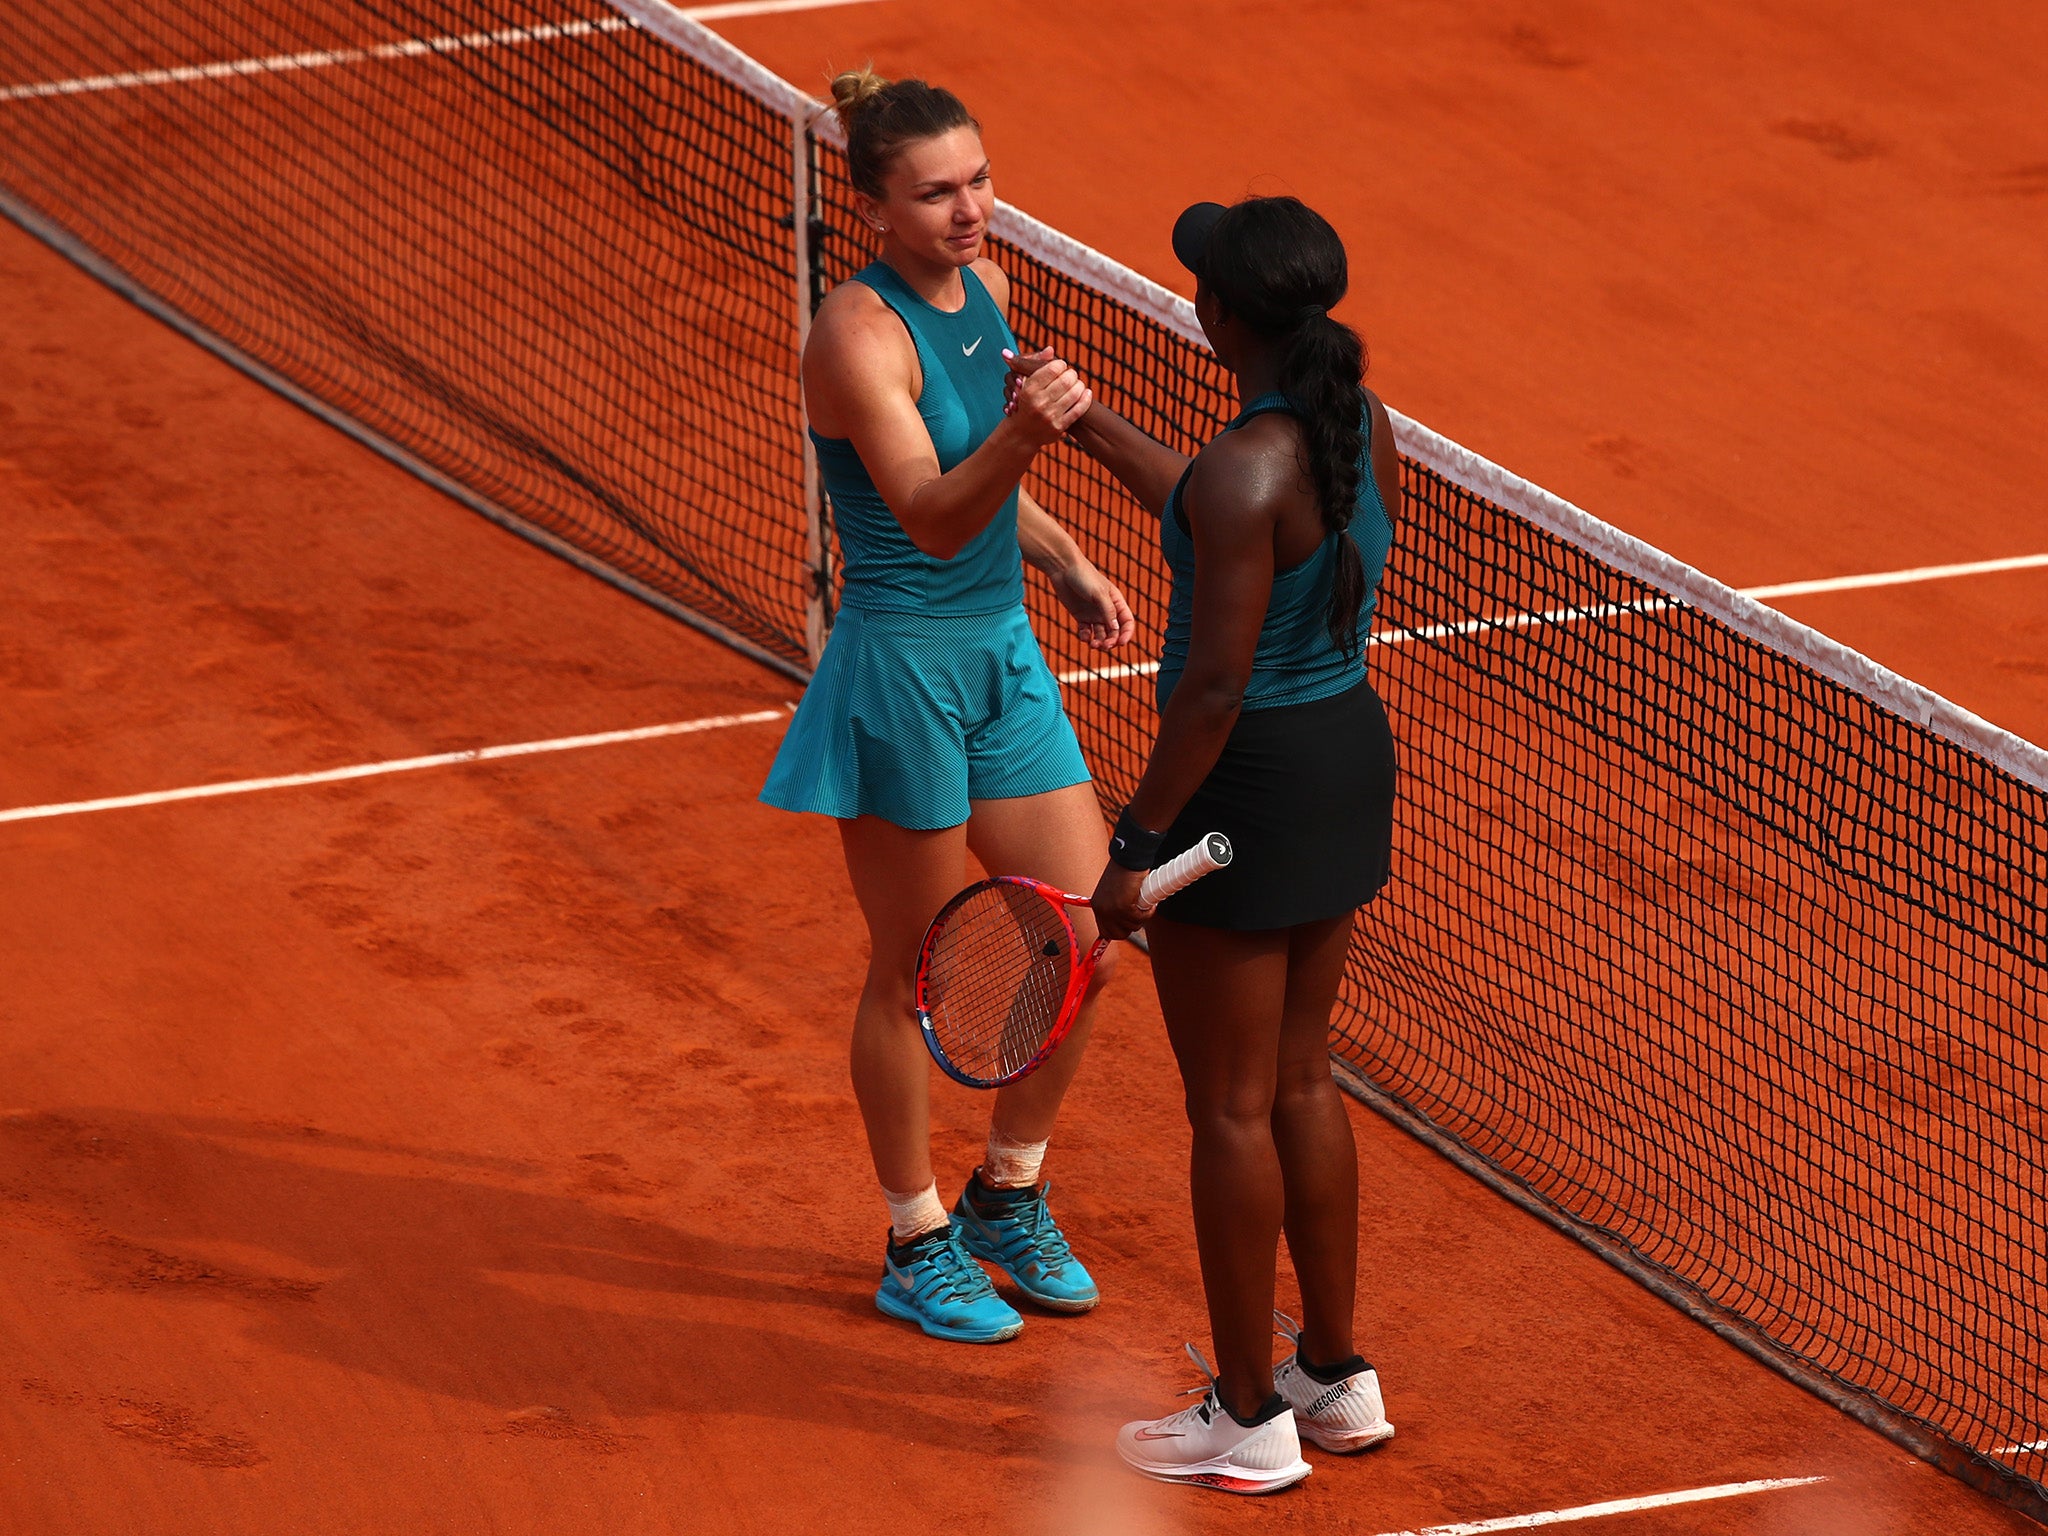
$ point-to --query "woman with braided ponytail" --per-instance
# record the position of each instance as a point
(933, 726)
(1276, 534)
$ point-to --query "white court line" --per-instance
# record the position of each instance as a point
(396, 765)
(1613, 1507)
(1071, 677)
(1105, 674)
(1403, 636)
(733, 12)
(411, 48)
(1644, 606)
(2021, 1449)
(1896, 578)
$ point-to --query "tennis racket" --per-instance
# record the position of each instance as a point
(999, 982)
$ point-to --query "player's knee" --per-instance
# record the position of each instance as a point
(1229, 1110)
(1302, 1084)
(890, 996)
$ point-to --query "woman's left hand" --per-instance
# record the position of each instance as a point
(1115, 902)
(1101, 615)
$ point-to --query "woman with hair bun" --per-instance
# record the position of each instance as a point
(933, 727)
(1276, 534)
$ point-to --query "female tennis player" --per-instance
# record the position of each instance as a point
(1276, 535)
(933, 726)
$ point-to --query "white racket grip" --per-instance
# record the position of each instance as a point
(1177, 874)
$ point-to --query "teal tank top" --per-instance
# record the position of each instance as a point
(1296, 660)
(961, 358)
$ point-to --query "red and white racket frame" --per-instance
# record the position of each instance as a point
(1209, 854)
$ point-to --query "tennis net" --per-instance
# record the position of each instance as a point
(1711, 942)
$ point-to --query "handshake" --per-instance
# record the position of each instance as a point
(1044, 395)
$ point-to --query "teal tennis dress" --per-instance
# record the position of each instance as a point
(932, 691)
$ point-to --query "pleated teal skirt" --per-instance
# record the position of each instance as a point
(912, 717)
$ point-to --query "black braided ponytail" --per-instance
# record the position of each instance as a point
(1276, 265)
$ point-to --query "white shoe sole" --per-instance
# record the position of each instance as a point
(1223, 1474)
(1344, 1442)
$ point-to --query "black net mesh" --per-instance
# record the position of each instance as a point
(1705, 952)
(538, 249)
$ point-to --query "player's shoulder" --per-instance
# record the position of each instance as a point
(995, 280)
(1263, 456)
(1379, 428)
(851, 310)
(1248, 476)
(853, 329)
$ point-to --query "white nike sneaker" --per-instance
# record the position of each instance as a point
(1343, 1416)
(1205, 1446)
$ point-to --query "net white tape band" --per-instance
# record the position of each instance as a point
(1853, 670)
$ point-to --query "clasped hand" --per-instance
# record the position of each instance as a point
(1044, 396)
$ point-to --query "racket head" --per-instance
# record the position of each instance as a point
(996, 980)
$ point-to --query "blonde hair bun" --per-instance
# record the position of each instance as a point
(854, 89)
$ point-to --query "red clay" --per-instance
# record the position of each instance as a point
(1759, 282)
(471, 1150)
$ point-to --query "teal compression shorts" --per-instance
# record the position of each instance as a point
(911, 717)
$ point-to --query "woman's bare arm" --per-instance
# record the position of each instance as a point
(1386, 457)
(1147, 468)
(861, 383)
(1101, 614)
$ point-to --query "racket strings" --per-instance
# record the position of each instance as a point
(997, 978)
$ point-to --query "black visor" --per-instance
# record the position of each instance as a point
(1191, 234)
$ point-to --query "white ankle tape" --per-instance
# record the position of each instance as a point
(912, 1216)
(1011, 1164)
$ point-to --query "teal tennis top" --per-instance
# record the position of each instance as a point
(1296, 660)
(961, 357)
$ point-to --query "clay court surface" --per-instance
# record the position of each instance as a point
(470, 1150)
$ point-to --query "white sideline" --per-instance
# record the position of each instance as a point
(742, 8)
(410, 48)
(395, 765)
(1896, 578)
(1072, 677)
(1612, 1507)
(1643, 606)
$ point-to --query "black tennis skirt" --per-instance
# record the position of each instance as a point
(1305, 793)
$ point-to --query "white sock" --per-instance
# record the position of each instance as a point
(911, 1216)
(1011, 1164)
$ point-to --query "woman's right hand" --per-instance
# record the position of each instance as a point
(1047, 397)
(1021, 365)
(1118, 912)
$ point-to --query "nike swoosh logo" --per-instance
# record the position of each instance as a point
(1119, 842)
(969, 351)
(1148, 1434)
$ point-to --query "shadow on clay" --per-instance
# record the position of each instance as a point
(469, 1278)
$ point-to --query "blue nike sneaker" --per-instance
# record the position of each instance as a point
(1014, 1230)
(934, 1284)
